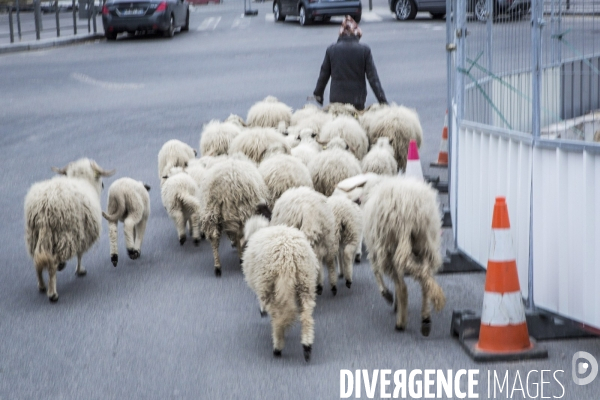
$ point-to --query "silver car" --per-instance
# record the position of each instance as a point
(515, 8)
(407, 9)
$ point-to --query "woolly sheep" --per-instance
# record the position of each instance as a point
(307, 210)
(309, 117)
(307, 111)
(348, 232)
(173, 153)
(236, 119)
(402, 233)
(63, 218)
(230, 195)
(217, 136)
(268, 113)
(281, 269)
(337, 109)
(259, 143)
(331, 166)
(399, 124)
(282, 172)
(380, 158)
(128, 202)
(179, 194)
(348, 129)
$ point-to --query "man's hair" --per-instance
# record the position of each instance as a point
(350, 27)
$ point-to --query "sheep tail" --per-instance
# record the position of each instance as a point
(285, 295)
(189, 202)
(42, 256)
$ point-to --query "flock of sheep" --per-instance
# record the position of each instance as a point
(293, 191)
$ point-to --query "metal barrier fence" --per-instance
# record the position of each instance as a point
(21, 18)
(524, 94)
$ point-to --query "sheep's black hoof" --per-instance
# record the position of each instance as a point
(53, 298)
(387, 295)
(196, 242)
(42, 289)
(399, 328)
(61, 266)
(348, 284)
(217, 272)
(182, 240)
(426, 326)
(202, 236)
(334, 290)
(357, 258)
(277, 353)
(114, 259)
(307, 351)
(133, 254)
(81, 273)
(395, 307)
(263, 313)
(319, 290)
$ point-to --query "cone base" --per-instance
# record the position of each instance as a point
(534, 352)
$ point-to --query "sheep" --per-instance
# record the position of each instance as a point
(63, 218)
(173, 153)
(380, 158)
(230, 195)
(128, 202)
(307, 111)
(217, 136)
(331, 166)
(348, 232)
(268, 113)
(348, 129)
(207, 161)
(281, 269)
(282, 172)
(259, 143)
(236, 119)
(307, 210)
(402, 233)
(309, 117)
(180, 199)
(399, 124)
(337, 109)
(369, 115)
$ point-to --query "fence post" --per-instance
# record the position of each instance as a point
(38, 18)
(89, 15)
(10, 24)
(57, 20)
(461, 35)
(18, 19)
(94, 13)
(74, 19)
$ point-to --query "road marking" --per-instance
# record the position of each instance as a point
(105, 85)
(269, 17)
(240, 23)
(209, 24)
(370, 17)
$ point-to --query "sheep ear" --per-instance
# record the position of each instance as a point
(263, 209)
(60, 171)
(195, 152)
(166, 177)
(147, 187)
(101, 172)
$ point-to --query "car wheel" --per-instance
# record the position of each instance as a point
(481, 10)
(110, 36)
(277, 12)
(437, 15)
(170, 32)
(327, 19)
(186, 27)
(304, 20)
(405, 10)
(357, 18)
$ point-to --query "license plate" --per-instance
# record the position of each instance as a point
(133, 12)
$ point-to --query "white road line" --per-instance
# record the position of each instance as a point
(240, 23)
(269, 17)
(370, 17)
(209, 24)
(105, 85)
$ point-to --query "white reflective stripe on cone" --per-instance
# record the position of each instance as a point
(501, 246)
(501, 309)
(413, 168)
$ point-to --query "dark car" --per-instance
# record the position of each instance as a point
(516, 8)
(145, 15)
(312, 10)
(407, 9)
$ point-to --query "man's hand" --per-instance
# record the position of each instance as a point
(319, 99)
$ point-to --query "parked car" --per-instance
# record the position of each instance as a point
(145, 15)
(313, 10)
(512, 7)
(407, 9)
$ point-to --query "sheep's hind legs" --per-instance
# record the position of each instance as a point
(330, 261)
(385, 292)
(214, 242)
(52, 294)
(40, 278)
(401, 306)
(80, 270)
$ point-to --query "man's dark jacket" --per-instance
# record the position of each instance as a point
(347, 62)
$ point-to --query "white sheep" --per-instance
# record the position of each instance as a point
(173, 153)
(282, 172)
(63, 218)
(380, 158)
(348, 232)
(332, 166)
(231, 193)
(337, 109)
(398, 123)
(179, 194)
(307, 210)
(217, 136)
(268, 113)
(281, 269)
(349, 129)
(402, 233)
(305, 112)
(309, 117)
(128, 202)
(259, 143)
(236, 119)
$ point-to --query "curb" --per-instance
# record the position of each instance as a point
(47, 43)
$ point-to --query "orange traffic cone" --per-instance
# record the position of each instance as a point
(413, 164)
(503, 333)
(442, 161)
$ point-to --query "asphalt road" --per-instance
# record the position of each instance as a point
(163, 326)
